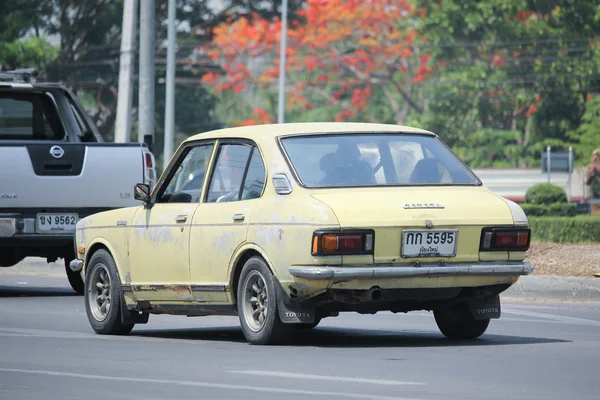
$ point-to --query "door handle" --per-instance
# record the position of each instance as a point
(181, 218)
(238, 217)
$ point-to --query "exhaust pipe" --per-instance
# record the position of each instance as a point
(375, 294)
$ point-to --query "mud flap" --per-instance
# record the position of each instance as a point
(132, 316)
(290, 313)
(485, 308)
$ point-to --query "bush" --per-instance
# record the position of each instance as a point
(580, 229)
(556, 209)
(545, 193)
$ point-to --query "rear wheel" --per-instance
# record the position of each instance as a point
(75, 279)
(10, 258)
(103, 296)
(258, 306)
(457, 322)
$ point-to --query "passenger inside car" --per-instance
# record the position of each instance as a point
(346, 167)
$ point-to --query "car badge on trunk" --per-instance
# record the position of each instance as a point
(57, 151)
(423, 205)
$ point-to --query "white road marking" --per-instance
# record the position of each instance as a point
(202, 384)
(324, 378)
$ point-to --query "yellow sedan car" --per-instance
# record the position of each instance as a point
(287, 224)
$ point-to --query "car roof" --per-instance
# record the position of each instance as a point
(267, 131)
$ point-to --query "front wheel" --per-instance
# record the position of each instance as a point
(457, 322)
(257, 304)
(103, 296)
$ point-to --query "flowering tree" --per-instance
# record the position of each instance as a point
(344, 57)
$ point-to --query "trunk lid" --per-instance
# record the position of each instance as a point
(390, 211)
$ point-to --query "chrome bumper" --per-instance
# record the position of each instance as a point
(76, 265)
(401, 271)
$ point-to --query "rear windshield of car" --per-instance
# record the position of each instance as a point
(374, 159)
(29, 116)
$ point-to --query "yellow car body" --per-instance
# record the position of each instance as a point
(186, 257)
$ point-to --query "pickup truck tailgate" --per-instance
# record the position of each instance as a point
(60, 175)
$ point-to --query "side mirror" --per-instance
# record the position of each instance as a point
(142, 192)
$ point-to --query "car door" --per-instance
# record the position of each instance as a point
(220, 223)
(159, 242)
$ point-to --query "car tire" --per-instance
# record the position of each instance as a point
(103, 295)
(257, 305)
(457, 322)
(10, 258)
(75, 279)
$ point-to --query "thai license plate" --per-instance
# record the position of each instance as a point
(429, 243)
(56, 223)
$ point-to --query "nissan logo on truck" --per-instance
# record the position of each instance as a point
(57, 152)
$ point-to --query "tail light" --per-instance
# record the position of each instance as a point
(328, 243)
(505, 239)
(149, 169)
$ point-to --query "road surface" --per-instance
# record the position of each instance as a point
(48, 350)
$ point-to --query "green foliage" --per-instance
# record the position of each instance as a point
(511, 65)
(588, 133)
(555, 209)
(545, 193)
(580, 229)
(35, 51)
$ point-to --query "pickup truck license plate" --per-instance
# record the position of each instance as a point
(56, 223)
(429, 243)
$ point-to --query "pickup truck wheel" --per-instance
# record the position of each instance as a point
(74, 278)
(257, 305)
(458, 323)
(103, 296)
(10, 258)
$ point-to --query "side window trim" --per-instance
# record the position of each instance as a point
(245, 175)
(262, 162)
(167, 176)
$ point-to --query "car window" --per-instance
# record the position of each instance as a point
(185, 184)
(375, 160)
(29, 116)
(255, 177)
(228, 173)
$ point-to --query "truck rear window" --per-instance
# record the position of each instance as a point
(29, 116)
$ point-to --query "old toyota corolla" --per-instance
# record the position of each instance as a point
(287, 224)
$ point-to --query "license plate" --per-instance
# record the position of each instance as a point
(56, 223)
(429, 243)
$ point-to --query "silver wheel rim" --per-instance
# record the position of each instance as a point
(99, 292)
(255, 303)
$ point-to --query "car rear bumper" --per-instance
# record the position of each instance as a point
(401, 271)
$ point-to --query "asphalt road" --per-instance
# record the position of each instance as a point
(48, 350)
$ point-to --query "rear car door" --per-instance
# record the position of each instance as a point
(159, 242)
(220, 224)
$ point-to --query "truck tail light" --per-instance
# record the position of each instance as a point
(149, 169)
(505, 239)
(339, 243)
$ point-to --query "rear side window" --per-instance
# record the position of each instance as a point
(29, 116)
(239, 174)
(255, 177)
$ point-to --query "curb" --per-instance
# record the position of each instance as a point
(555, 288)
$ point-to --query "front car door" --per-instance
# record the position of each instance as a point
(160, 234)
(220, 224)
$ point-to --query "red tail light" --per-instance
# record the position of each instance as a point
(505, 239)
(336, 243)
(148, 160)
